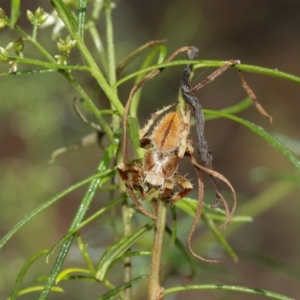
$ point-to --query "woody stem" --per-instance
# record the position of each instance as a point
(154, 285)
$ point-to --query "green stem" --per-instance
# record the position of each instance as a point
(34, 32)
(211, 64)
(112, 78)
(36, 44)
(110, 44)
(91, 27)
(96, 73)
(98, 43)
(154, 285)
(81, 17)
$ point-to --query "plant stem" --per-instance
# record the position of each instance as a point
(81, 17)
(127, 214)
(112, 77)
(96, 73)
(36, 44)
(34, 32)
(154, 284)
(110, 44)
(91, 27)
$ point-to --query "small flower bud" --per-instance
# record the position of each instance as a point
(39, 12)
(43, 19)
(18, 45)
(61, 59)
(3, 18)
(3, 53)
(38, 17)
(30, 17)
(13, 67)
(65, 45)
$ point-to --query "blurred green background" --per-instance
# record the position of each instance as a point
(37, 118)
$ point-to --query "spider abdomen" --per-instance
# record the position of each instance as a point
(159, 166)
(167, 135)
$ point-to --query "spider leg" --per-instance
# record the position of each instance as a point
(131, 174)
(186, 121)
(185, 186)
(145, 129)
(141, 208)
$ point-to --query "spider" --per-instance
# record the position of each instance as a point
(166, 145)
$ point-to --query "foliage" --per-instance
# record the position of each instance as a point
(74, 22)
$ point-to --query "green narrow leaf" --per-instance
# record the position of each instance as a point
(69, 271)
(118, 249)
(81, 17)
(162, 50)
(262, 133)
(15, 12)
(235, 219)
(22, 273)
(110, 295)
(38, 288)
(66, 16)
(133, 130)
(232, 288)
(85, 255)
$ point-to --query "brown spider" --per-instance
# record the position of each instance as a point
(166, 145)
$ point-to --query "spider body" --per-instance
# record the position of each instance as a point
(166, 145)
(160, 162)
